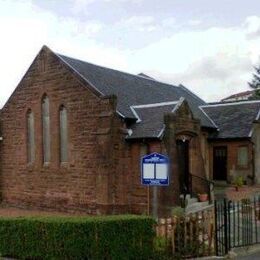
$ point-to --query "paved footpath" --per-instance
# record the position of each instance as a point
(255, 256)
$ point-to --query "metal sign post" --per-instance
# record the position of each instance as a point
(148, 200)
(155, 202)
(155, 172)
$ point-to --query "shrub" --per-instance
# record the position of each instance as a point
(110, 237)
(239, 181)
(178, 212)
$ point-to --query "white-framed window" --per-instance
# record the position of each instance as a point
(242, 156)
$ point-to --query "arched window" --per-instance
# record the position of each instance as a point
(46, 129)
(63, 134)
(30, 137)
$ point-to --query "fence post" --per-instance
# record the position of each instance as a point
(216, 227)
(226, 226)
(229, 224)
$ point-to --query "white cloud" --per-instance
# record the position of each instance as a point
(92, 28)
(24, 31)
(213, 62)
(194, 22)
(126, 1)
(213, 77)
(252, 25)
(169, 22)
(175, 53)
(138, 23)
(81, 5)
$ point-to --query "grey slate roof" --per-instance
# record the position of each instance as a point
(234, 120)
(145, 76)
(151, 117)
(135, 90)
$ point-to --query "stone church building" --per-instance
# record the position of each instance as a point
(73, 134)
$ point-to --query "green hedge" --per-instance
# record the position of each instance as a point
(110, 237)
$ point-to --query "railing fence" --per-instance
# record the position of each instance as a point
(237, 224)
(189, 236)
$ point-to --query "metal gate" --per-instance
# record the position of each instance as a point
(237, 224)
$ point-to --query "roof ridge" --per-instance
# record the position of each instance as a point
(231, 103)
(161, 92)
(84, 78)
(124, 72)
(159, 104)
(70, 66)
(193, 94)
(212, 121)
(178, 105)
(133, 108)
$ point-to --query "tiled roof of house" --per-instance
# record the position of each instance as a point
(150, 119)
(235, 119)
(139, 97)
(132, 90)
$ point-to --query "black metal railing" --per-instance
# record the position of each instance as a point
(203, 185)
(237, 224)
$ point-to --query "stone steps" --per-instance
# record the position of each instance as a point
(197, 206)
(193, 205)
(191, 201)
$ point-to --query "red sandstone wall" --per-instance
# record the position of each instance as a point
(82, 183)
(103, 172)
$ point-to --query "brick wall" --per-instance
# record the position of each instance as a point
(233, 169)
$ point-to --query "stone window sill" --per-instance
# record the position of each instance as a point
(64, 164)
(46, 164)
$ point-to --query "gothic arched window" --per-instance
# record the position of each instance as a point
(30, 137)
(46, 129)
(63, 134)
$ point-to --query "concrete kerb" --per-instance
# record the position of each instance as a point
(235, 252)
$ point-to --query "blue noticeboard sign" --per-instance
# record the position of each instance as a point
(155, 170)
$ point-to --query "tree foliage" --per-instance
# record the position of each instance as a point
(255, 83)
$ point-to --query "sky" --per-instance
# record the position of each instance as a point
(208, 46)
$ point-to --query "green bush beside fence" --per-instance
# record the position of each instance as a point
(109, 237)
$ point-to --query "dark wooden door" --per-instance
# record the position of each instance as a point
(220, 163)
(183, 164)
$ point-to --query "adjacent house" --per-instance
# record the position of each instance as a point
(73, 135)
(234, 148)
(245, 95)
